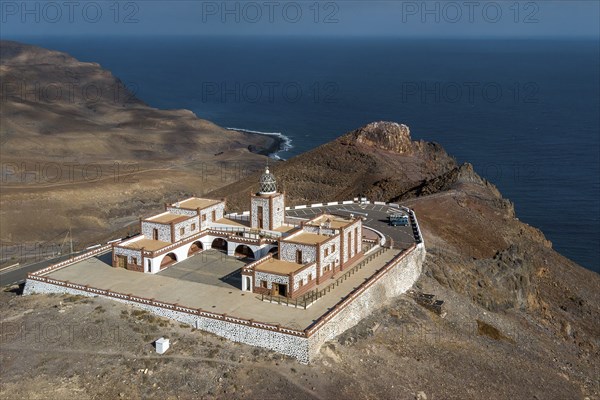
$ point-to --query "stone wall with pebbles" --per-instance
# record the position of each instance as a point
(260, 277)
(395, 281)
(290, 345)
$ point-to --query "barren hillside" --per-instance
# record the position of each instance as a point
(521, 322)
(79, 150)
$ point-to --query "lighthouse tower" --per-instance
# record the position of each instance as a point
(267, 207)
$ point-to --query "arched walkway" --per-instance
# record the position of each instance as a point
(274, 250)
(244, 251)
(167, 260)
(219, 244)
(194, 248)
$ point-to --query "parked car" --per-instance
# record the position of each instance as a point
(398, 220)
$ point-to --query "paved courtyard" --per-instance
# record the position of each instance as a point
(211, 280)
(211, 286)
(212, 267)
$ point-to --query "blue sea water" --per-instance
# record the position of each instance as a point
(524, 113)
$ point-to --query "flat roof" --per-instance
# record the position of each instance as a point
(278, 266)
(335, 221)
(148, 244)
(233, 222)
(307, 238)
(195, 203)
(168, 217)
(285, 228)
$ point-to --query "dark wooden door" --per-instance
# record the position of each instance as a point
(259, 215)
(121, 261)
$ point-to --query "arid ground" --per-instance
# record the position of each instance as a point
(521, 320)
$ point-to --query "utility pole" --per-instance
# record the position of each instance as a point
(70, 241)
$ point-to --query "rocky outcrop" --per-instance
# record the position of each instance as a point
(389, 136)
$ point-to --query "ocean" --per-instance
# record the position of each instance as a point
(525, 113)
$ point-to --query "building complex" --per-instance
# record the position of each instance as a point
(290, 257)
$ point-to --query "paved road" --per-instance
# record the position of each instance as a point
(376, 218)
(18, 274)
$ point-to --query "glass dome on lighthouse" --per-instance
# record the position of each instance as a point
(268, 184)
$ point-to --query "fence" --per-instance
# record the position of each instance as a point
(314, 295)
(168, 306)
(72, 260)
(309, 298)
(305, 301)
(357, 292)
(224, 317)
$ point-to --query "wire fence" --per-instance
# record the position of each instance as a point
(310, 297)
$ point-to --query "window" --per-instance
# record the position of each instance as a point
(310, 277)
(203, 217)
(134, 260)
(333, 248)
(214, 215)
(298, 256)
(182, 231)
(263, 284)
(326, 252)
(193, 227)
(301, 283)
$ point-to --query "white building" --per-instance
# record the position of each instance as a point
(288, 259)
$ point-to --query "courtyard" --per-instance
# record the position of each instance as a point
(210, 280)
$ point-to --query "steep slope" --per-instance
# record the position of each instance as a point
(489, 266)
(522, 321)
(379, 160)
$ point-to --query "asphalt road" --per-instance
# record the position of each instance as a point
(376, 218)
(19, 273)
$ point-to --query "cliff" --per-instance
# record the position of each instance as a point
(494, 271)
(521, 322)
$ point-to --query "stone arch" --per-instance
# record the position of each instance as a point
(219, 244)
(244, 251)
(167, 260)
(195, 248)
